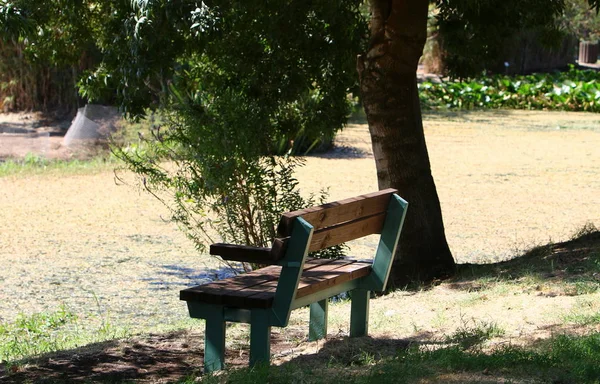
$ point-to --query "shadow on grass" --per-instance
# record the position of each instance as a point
(565, 359)
(180, 277)
(342, 152)
(177, 356)
(16, 128)
(168, 356)
(155, 358)
(467, 115)
(471, 115)
(574, 263)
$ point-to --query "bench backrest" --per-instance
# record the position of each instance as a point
(315, 228)
(337, 222)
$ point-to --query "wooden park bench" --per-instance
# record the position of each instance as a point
(265, 297)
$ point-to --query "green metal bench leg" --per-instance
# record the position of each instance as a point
(317, 328)
(359, 313)
(214, 341)
(260, 337)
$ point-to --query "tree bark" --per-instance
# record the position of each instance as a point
(388, 83)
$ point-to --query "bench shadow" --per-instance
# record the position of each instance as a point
(188, 277)
(345, 351)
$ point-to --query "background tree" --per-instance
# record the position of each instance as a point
(44, 47)
(478, 36)
(388, 83)
(582, 20)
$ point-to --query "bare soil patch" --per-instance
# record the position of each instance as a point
(24, 134)
(507, 180)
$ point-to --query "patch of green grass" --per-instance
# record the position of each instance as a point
(35, 165)
(584, 312)
(563, 359)
(584, 319)
(586, 230)
(32, 335)
(474, 333)
(583, 287)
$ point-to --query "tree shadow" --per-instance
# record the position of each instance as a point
(575, 263)
(153, 358)
(429, 360)
(175, 355)
(170, 355)
(466, 115)
(342, 152)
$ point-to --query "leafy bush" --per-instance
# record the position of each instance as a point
(235, 88)
(204, 166)
(574, 90)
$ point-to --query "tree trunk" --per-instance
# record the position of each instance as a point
(388, 83)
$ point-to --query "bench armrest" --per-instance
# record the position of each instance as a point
(244, 253)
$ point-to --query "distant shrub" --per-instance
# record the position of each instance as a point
(574, 90)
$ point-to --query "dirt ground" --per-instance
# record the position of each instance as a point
(507, 180)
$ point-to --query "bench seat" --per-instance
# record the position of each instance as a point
(257, 289)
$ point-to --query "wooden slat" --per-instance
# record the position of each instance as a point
(233, 291)
(337, 276)
(337, 212)
(278, 249)
(243, 299)
(351, 230)
(212, 293)
(244, 253)
(321, 277)
(262, 295)
(337, 234)
(306, 273)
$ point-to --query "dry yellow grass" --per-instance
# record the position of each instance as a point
(506, 180)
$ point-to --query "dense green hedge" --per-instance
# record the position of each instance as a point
(574, 90)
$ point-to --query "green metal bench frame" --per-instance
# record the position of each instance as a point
(296, 249)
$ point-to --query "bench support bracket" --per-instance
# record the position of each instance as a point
(359, 312)
(317, 328)
(214, 340)
(260, 337)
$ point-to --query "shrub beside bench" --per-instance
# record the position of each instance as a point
(265, 297)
